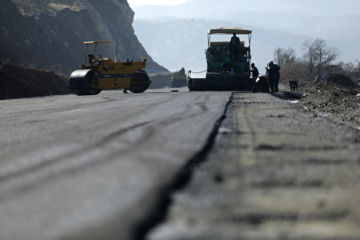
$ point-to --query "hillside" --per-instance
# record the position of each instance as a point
(50, 35)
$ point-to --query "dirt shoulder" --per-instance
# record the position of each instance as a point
(336, 103)
(334, 96)
(276, 171)
(20, 82)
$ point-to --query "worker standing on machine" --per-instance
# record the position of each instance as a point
(234, 46)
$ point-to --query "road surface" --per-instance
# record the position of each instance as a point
(275, 172)
(108, 166)
(92, 167)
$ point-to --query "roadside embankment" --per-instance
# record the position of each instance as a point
(20, 82)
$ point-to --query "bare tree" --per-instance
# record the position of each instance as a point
(318, 56)
(284, 57)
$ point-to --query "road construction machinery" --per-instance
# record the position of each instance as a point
(179, 79)
(227, 68)
(99, 73)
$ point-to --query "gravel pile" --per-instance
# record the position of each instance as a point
(335, 96)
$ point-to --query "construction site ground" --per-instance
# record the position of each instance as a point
(276, 171)
(172, 164)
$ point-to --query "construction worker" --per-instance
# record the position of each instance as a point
(261, 83)
(254, 71)
(273, 73)
(234, 46)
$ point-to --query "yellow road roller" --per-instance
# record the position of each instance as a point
(99, 73)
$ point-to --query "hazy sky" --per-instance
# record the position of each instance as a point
(135, 3)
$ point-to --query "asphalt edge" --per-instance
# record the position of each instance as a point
(180, 181)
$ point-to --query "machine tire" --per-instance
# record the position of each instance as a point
(139, 82)
(85, 92)
(78, 81)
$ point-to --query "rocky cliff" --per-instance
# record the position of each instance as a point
(50, 34)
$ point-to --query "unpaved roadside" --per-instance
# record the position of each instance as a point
(276, 171)
(338, 103)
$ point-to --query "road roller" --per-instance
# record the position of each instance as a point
(99, 73)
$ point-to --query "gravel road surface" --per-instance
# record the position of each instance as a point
(275, 172)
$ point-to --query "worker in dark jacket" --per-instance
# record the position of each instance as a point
(254, 71)
(235, 46)
(273, 73)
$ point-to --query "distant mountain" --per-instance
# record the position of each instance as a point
(220, 9)
(175, 36)
(177, 43)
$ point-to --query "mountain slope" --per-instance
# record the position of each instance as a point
(51, 35)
